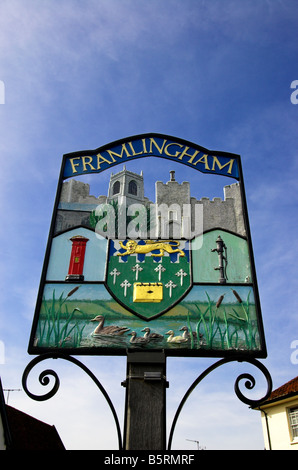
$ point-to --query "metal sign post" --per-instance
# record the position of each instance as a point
(145, 410)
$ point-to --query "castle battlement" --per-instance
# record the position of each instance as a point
(76, 203)
(224, 213)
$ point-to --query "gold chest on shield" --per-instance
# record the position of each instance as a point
(147, 292)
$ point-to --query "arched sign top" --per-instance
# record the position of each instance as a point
(151, 145)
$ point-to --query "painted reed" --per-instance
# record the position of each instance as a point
(56, 328)
(214, 323)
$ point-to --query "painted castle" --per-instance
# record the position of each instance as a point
(76, 204)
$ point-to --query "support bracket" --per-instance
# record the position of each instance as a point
(147, 377)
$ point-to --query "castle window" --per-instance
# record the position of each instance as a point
(116, 187)
(132, 187)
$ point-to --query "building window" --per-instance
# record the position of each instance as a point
(293, 417)
(116, 187)
(132, 187)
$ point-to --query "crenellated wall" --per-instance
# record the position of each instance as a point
(76, 204)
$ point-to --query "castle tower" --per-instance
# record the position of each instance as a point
(127, 184)
(172, 192)
(170, 198)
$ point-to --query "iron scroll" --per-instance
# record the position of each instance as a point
(249, 384)
(44, 380)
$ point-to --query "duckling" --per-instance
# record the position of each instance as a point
(107, 330)
(175, 339)
(152, 336)
(186, 333)
(139, 341)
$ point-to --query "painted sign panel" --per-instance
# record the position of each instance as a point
(151, 263)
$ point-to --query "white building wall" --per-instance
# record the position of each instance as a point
(279, 426)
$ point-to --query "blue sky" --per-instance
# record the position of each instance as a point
(78, 75)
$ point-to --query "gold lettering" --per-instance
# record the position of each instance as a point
(152, 141)
(191, 156)
(87, 162)
(124, 149)
(73, 165)
(101, 159)
(203, 159)
(144, 145)
(220, 167)
(170, 154)
(133, 150)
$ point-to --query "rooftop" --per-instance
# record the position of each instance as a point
(28, 433)
(23, 432)
(286, 390)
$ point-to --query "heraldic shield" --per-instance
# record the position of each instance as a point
(148, 277)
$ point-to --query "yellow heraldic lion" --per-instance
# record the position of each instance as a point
(170, 246)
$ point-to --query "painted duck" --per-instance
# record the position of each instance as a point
(107, 330)
(152, 336)
(175, 339)
(139, 341)
(186, 333)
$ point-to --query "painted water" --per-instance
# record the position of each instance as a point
(79, 334)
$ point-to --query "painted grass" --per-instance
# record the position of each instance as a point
(212, 324)
(234, 327)
(58, 327)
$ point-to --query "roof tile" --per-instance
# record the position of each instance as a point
(283, 391)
